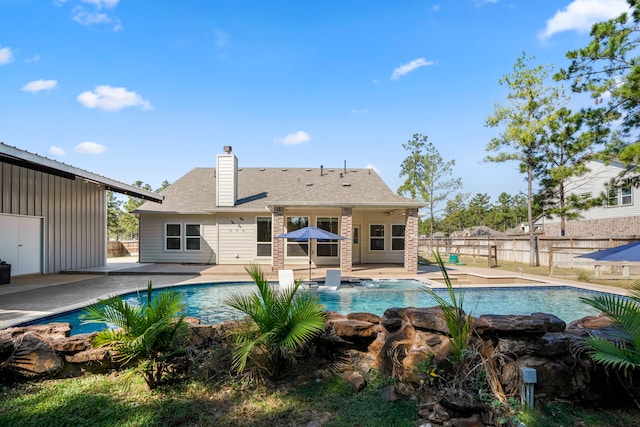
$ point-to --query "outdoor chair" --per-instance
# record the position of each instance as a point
(286, 279)
(332, 281)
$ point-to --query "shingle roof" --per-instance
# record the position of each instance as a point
(259, 188)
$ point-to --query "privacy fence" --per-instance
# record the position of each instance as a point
(551, 251)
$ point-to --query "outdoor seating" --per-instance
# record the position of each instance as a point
(454, 259)
(332, 281)
(286, 279)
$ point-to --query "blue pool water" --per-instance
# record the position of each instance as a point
(206, 301)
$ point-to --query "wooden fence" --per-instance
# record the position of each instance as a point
(551, 251)
(116, 248)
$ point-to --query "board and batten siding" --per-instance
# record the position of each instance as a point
(74, 213)
(226, 180)
(152, 239)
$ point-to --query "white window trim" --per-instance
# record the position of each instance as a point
(183, 237)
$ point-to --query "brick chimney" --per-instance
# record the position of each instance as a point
(226, 178)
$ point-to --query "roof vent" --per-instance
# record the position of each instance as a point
(227, 149)
(284, 169)
(261, 169)
(346, 184)
(309, 184)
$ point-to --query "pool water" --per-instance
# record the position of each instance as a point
(206, 301)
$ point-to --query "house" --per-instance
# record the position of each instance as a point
(618, 216)
(231, 215)
(53, 217)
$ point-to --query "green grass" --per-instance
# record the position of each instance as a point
(100, 400)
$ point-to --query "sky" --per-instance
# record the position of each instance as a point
(149, 89)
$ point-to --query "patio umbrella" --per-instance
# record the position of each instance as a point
(629, 252)
(306, 234)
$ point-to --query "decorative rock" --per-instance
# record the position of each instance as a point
(472, 421)
(54, 329)
(355, 379)
(438, 413)
(355, 329)
(389, 394)
(430, 319)
(536, 323)
(34, 357)
(73, 344)
(365, 317)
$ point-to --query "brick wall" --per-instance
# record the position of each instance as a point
(411, 240)
(278, 244)
(346, 246)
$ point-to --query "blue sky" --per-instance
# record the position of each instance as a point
(147, 90)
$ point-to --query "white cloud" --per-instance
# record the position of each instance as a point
(294, 138)
(363, 111)
(6, 55)
(35, 58)
(85, 18)
(89, 147)
(409, 67)
(580, 15)
(108, 98)
(40, 85)
(99, 4)
(56, 151)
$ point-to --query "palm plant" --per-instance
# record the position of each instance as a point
(622, 352)
(280, 324)
(145, 335)
(459, 324)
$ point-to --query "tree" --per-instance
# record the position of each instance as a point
(567, 150)
(147, 334)
(129, 221)
(608, 68)
(281, 324)
(114, 214)
(478, 209)
(455, 213)
(427, 175)
(532, 106)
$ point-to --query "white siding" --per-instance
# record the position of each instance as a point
(226, 180)
(237, 239)
(74, 213)
(595, 182)
(152, 239)
(386, 255)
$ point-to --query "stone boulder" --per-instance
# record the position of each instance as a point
(509, 325)
(33, 357)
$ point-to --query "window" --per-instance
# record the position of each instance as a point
(327, 247)
(173, 237)
(397, 237)
(376, 236)
(620, 196)
(625, 196)
(192, 237)
(297, 248)
(263, 236)
(612, 197)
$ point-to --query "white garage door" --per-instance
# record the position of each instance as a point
(21, 243)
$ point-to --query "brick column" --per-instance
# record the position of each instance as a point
(278, 244)
(346, 245)
(411, 240)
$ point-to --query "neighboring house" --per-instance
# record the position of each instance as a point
(231, 215)
(53, 217)
(619, 216)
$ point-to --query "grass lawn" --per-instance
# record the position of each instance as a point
(102, 400)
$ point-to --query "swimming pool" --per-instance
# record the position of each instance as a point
(205, 301)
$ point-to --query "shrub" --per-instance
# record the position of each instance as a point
(280, 324)
(146, 334)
